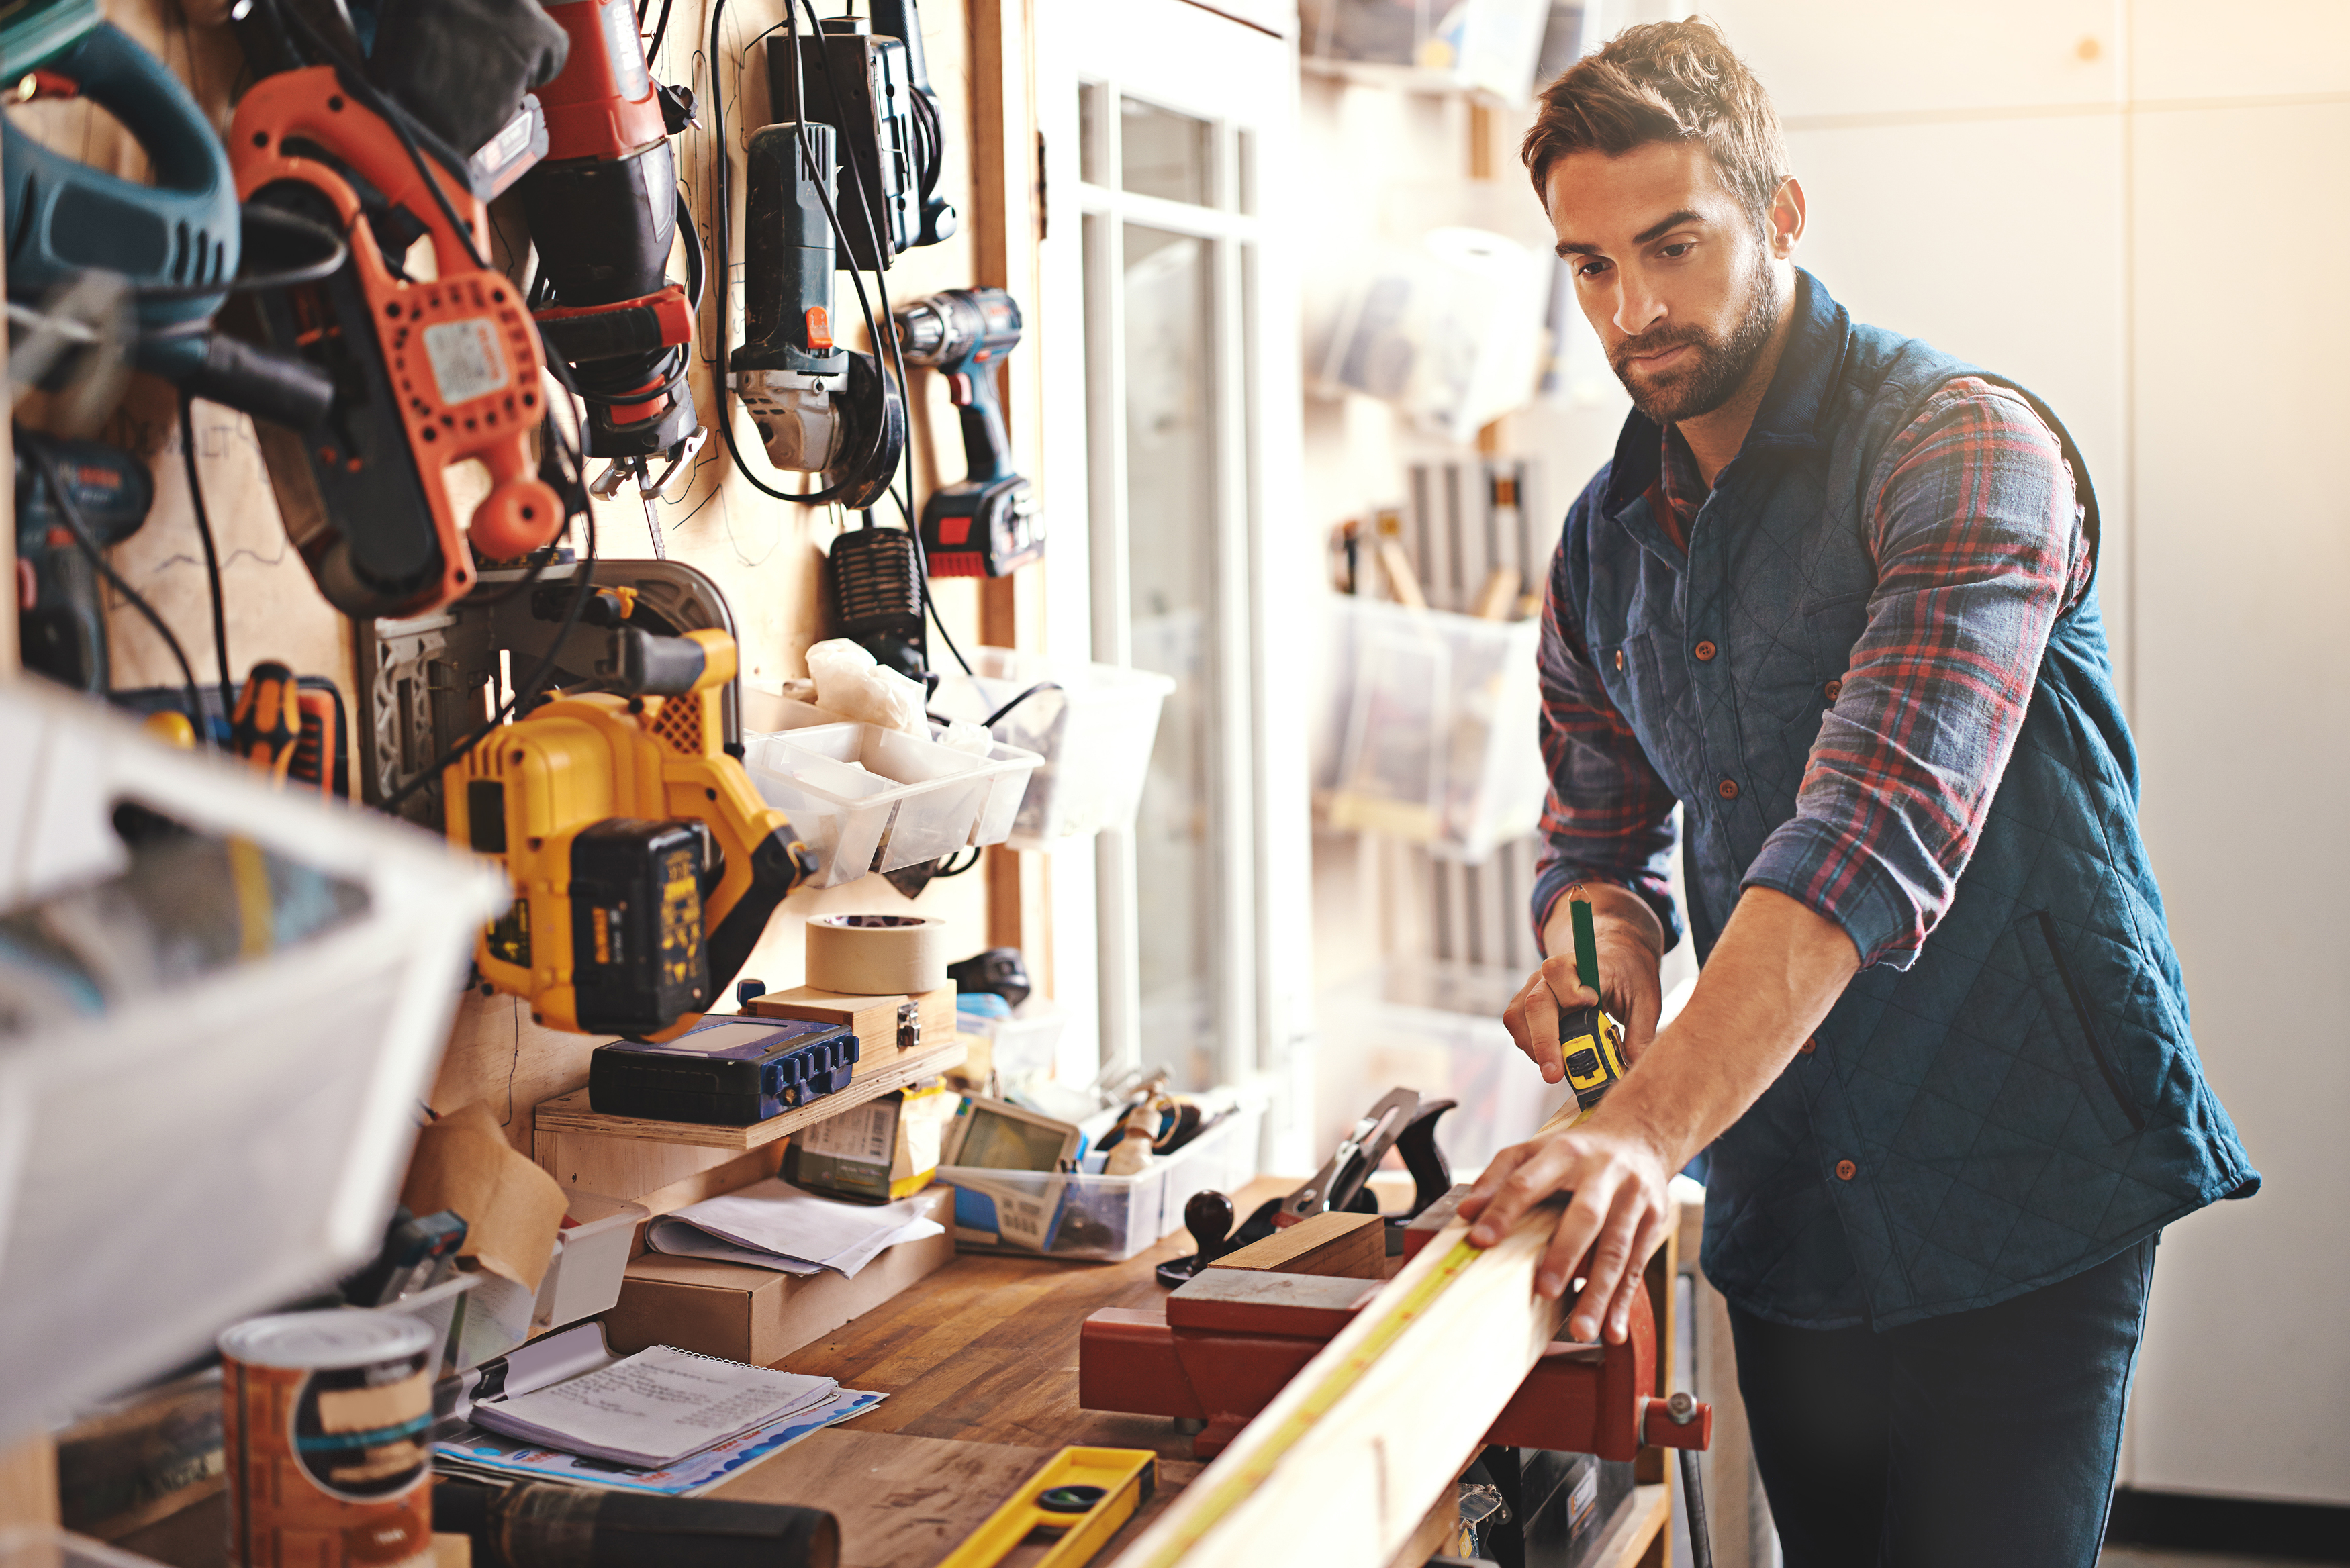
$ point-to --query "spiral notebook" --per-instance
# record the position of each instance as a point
(653, 1408)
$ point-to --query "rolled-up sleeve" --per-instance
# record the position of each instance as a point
(1979, 548)
(1608, 816)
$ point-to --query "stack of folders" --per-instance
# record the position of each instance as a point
(772, 1225)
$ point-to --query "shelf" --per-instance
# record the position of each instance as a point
(1639, 1518)
(569, 1114)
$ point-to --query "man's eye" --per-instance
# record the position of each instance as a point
(1676, 250)
(1591, 269)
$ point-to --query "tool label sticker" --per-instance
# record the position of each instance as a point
(467, 362)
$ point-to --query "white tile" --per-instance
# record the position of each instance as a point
(2190, 49)
(1865, 56)
(2243, 715)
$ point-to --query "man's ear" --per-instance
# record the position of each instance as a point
(1786, 218)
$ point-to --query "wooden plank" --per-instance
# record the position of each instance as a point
(1650, 1465)
(1351, 1245)
(878, 1021)
(1366, 1421)
(571, 1113)
(28, 1483)
(1240, 1301)
(1636, 1530)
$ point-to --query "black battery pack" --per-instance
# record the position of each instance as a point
(724, 1071)
(636, 953)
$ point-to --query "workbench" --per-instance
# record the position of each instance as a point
(979, 1363)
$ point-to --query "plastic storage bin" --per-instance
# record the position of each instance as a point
(1437, 1028)
(1431, 727)
(1094, 735)
(1101, 1218)
(904, 802)
(232, 1140)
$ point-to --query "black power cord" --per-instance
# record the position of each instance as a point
(212, 550)
(78, 526)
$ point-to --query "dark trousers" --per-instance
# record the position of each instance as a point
(1982, 1437)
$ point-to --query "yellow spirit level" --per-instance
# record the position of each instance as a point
(1083, 1494)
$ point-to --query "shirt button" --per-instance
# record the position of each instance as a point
(1833, 688)
(1808, 1047)
(1705, 652)
(1727, 789)
(1619, 662)
(1845, 1170)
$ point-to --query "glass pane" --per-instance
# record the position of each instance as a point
(1090, 105)
(1171, 472)
(1162, 153)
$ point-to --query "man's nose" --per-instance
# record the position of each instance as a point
(1637, 306)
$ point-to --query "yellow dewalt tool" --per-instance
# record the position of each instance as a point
(1082, 1495)
(1588, 1040)
(644, 865)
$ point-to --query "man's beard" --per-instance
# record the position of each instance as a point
(1720, 364)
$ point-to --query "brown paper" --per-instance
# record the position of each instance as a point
(513, 1209)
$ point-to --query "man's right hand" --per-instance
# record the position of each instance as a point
(1630, 939)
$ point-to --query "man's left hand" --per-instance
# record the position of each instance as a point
(1616, 1218)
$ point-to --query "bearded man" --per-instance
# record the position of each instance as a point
(1835, 598)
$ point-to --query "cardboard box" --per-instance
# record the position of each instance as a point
(759, 1315)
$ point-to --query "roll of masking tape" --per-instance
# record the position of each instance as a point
(876, 955)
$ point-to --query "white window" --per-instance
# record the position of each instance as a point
(1168, 133)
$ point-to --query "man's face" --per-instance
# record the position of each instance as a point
(1670, 271)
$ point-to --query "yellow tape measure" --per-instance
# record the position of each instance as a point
(1239, 1483)
(1085, 1494)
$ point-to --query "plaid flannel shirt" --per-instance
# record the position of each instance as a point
(1978, 545)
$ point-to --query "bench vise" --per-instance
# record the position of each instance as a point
(1221, 1346)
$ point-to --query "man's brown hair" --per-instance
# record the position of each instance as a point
(1664, 81)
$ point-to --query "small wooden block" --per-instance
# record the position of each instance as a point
(881, 1024)
(1352, 1245)
(1250, 1300)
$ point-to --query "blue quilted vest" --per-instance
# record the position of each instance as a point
(2020, 1098)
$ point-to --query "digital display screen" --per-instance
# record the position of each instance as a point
(997, 1142)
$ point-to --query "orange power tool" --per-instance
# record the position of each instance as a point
(427, 373)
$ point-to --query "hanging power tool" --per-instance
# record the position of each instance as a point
(819, 408)
(605, 212)
(872, 87)
(645, 866)
(175, 243)
(427, 374)
(985, 524)
(60, 618)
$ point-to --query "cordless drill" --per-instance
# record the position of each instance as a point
(60, 619)
(604, 210)
(986, 525)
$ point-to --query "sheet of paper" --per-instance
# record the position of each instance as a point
(476, 1452)
(653, 1407)
(680, 1240)
(774, 1217)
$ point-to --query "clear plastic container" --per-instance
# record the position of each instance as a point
(196, 1155)
(1435, 1027)
(1007, 769)
(441, 1309)
(1101, 1218)
(1094, 735)
(1431, 731)
(875, 799)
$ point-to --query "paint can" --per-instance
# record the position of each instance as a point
(326, 1425)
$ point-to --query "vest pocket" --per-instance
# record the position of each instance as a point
(2074, 1018)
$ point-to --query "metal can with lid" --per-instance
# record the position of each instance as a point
(326, 1425)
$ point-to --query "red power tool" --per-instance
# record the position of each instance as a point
(426, 374)
(605, 212)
